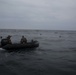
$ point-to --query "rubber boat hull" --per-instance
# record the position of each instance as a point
(21, 46)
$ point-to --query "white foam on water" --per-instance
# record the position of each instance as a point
(1, 49)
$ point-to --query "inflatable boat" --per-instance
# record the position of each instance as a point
(16, 46)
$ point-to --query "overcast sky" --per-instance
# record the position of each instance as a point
(38, 14)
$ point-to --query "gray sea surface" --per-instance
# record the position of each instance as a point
(56, 54)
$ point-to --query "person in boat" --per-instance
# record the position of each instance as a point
(6, 41)
(23, 40)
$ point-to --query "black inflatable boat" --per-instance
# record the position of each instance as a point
(16, 46)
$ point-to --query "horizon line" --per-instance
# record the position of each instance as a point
(38, 29)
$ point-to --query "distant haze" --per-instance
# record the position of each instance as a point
(38, 14)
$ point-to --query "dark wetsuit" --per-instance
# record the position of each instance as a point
(5, 42)
(23, 41)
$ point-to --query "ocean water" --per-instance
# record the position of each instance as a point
(56, 54)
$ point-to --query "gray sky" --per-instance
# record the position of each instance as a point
(38, 14)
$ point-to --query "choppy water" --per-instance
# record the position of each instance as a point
(56, 54)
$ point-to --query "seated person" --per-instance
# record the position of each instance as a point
(23, 40)
(6, 41)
